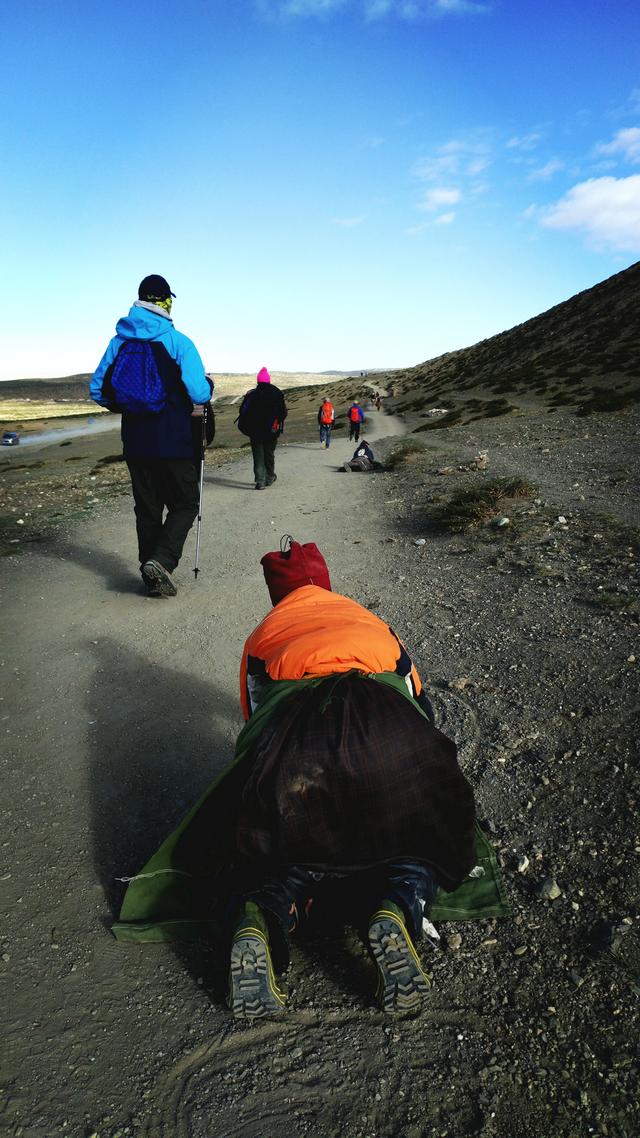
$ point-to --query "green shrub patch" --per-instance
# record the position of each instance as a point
(476, 506)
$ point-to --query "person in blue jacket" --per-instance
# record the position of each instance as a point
(363, 458)
(161, 448)
(355, 415)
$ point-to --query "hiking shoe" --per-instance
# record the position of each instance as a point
(149, 590)
(402, 984)
(155, 576)
(253, 991)
(260, 485)
(270, 481)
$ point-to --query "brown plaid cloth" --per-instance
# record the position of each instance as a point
(349, 774)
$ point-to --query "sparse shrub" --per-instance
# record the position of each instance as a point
(611, 601)
(603, 400)
(495, 407)
(405, 452)
(561, 398)
(476, 506)
(108, 459)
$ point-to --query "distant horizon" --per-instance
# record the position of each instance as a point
(328, 372)
(355, 372)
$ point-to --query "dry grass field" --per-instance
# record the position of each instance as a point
(27, 410)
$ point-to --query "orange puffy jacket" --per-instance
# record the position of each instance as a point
(313, 632)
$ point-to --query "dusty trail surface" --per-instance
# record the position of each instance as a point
(118, 710)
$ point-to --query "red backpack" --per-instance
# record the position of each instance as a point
(290, 568)
(326, 413)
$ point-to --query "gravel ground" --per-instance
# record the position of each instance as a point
(118, 710)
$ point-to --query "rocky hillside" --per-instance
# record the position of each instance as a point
(583, 354)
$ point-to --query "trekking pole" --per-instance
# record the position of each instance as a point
(196, 567)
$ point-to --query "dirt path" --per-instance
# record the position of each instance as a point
(118, 710)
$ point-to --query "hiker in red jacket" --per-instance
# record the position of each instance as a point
(326, 419)
(355, 415)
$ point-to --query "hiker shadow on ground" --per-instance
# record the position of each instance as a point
(213, 480)
(118, 573)
(159, 737)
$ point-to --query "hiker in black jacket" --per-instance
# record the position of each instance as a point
(262, 415)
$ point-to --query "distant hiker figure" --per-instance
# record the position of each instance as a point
(326, 419)
(362, 457)
(355, 415)
(376, 400)
(262, 415)
(154, 376)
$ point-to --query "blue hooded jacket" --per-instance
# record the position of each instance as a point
(169, 433)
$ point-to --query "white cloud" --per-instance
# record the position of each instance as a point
(631, 106)
(445, 218)
(461, 6)
(547, 171)
(439, 196)
(287, 9)
(476, 166)
(377, 9)
(372, 9)
(606, 210)
(454, 158)
(624, 142)
(421, 9)
(432, 169)
(524, 141)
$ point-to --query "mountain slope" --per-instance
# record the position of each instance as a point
(584, 352)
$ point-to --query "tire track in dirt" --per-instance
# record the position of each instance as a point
(291, 1063)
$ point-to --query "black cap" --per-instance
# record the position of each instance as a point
(154, 288)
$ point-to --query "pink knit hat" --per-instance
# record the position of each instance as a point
(263, 376)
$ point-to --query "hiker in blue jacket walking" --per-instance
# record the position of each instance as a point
(154, 376)
(355, 415)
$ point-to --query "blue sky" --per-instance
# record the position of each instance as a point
(325, 183)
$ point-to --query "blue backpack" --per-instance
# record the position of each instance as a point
(133, 382)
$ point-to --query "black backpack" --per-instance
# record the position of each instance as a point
(259, 420)
(246, 420)
(133, 382)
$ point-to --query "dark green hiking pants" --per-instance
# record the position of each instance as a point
(264, 461)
